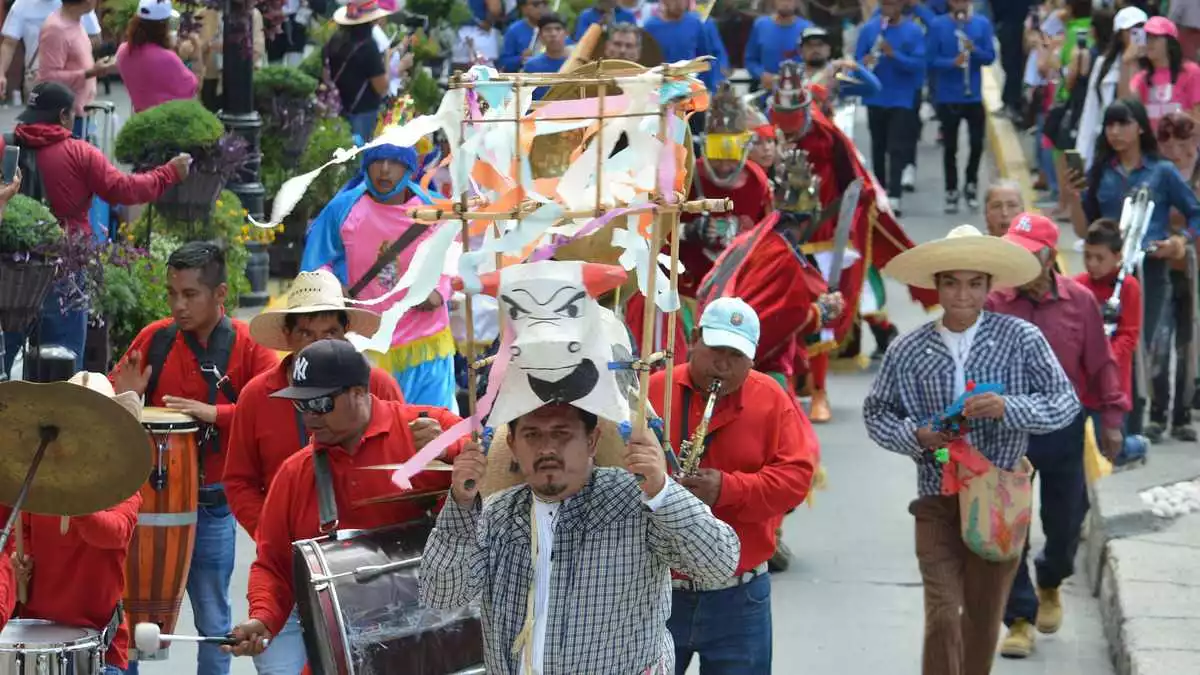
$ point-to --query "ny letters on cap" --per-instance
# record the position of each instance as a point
(300, 370)
(560, 350)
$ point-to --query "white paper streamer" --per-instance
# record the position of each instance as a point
(637, 258)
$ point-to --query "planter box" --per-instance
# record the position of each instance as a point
(193, 199)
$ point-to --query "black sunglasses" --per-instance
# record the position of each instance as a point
(321, 405)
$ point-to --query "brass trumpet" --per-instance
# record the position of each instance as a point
(692, 450)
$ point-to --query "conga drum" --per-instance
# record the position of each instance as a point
(360, 607)
(161, 551)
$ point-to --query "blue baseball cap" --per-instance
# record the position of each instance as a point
(730, 322)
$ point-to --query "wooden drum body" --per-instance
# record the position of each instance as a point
(160, 554)
(360, 608)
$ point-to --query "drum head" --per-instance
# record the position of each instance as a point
(165, 420)
(33, 634)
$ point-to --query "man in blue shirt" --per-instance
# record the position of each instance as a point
(959, 45)
(605, 13)
(922, 16)
(683, 35)
(521, 36)
(773, 39)
(893, 47)
(552, 32)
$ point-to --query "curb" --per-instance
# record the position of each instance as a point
(1142, 568)
(1004, 139)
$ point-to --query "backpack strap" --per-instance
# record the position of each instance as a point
(32, 185)
(326, 499)
(156, 356)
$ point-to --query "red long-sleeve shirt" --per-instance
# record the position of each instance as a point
(78, 578)
(181, 377)
(752, 199)
(1070, 319)
(8, 588)
(291, 512)
(265, 433)
(1124, 341)
(760, 446)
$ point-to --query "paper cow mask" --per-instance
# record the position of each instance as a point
(560, 350)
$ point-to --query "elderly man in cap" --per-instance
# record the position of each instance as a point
(349, 429)
(366, 237)
(267, 430)
(922, 374)
(1069, 317)
(758, 460)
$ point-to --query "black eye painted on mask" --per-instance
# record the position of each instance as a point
(515, 311)
(573, 307)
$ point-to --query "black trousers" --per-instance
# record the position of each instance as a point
(893, 144)
(950, 115)
(1178, 318)
(1012, 59)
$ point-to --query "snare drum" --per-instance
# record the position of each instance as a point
(160, 554)
(360, 608)
(36, 647)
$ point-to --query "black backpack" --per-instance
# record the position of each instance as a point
(31, 179)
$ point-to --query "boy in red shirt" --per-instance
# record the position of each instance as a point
(1102, 258)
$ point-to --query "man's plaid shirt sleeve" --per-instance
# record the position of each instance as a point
(685, 534)
(454, 563)
(1051, 403)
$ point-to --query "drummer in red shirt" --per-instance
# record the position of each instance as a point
(196, 362)
(266, 431)
(8, 589)
(351, 430)
(758, 466)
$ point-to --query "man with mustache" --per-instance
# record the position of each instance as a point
(570, 568)
(757, 465)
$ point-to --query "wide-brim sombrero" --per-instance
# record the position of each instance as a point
(965, 249)
(311, 293)
(357, 13)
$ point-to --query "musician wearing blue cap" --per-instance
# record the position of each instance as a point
(367, 238)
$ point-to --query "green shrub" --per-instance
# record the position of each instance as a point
(28, 226)
(135, 294)
(284, 81)
(330, 134)
(116, 16)
(154, 136)
(424, 90)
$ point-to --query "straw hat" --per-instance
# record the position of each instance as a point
(357, 12)
(965, 248)
(98, 383)
(311, 292)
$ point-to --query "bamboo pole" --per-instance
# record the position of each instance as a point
(700, 65)
(673, 317)
(649, 309)
(434, 214)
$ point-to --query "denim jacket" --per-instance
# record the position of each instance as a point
(1167, 190)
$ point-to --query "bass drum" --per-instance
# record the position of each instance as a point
(360, 607)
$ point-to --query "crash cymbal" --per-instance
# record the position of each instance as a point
(432, 495)
(99, 458)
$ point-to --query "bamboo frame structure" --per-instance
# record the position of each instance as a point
(665, 204)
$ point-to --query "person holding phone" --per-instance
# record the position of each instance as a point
(1111, 73)
(66, 56)
(1168, 82)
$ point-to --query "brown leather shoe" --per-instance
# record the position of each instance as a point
(819, 411)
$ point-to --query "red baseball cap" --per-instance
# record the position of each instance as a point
(1033, 232)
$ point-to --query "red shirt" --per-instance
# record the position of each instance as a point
(265, 433)
(1071, 321)
(8, 587)
(752, 201)
(181, 377)
(1124, 341)
(78, 578)
(291, 513)
(760, 446)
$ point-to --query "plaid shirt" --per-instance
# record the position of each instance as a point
(916, 382)
(610, 593)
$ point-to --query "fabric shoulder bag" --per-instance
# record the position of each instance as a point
(995, 506)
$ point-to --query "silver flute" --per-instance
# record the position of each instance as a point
(961, 18)
(877, 48)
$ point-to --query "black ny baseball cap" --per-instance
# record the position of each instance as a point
(326, 367)
(46, 103)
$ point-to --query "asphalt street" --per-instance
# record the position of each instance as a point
(852, 602)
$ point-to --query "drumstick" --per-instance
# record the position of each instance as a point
(149, 636)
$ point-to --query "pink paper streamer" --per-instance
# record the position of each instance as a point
(546, 251)
(666, 159)
(588, 107)
(402, 477)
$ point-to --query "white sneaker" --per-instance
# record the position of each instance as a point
(895, 203)
(908, 179)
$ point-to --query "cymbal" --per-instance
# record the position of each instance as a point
(98, 460)
(403, 497)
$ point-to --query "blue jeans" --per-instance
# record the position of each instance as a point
(1057, 460)
(1045, 158)
(363, 124)
(208, 583)
(285, 655)
(67, 329)
(729, 629)
(113, 670)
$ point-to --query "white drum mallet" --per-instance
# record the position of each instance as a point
(148, 637)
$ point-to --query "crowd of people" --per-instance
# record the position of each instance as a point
(1024, 355)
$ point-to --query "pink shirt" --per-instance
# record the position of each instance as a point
(366, 233)
(64, 55)
(1071, 321)
(154, 75)
(1165, 97)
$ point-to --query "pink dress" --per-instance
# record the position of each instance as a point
(154, 75)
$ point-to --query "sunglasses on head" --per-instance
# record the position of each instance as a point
(321, 405)
(1179, 130)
